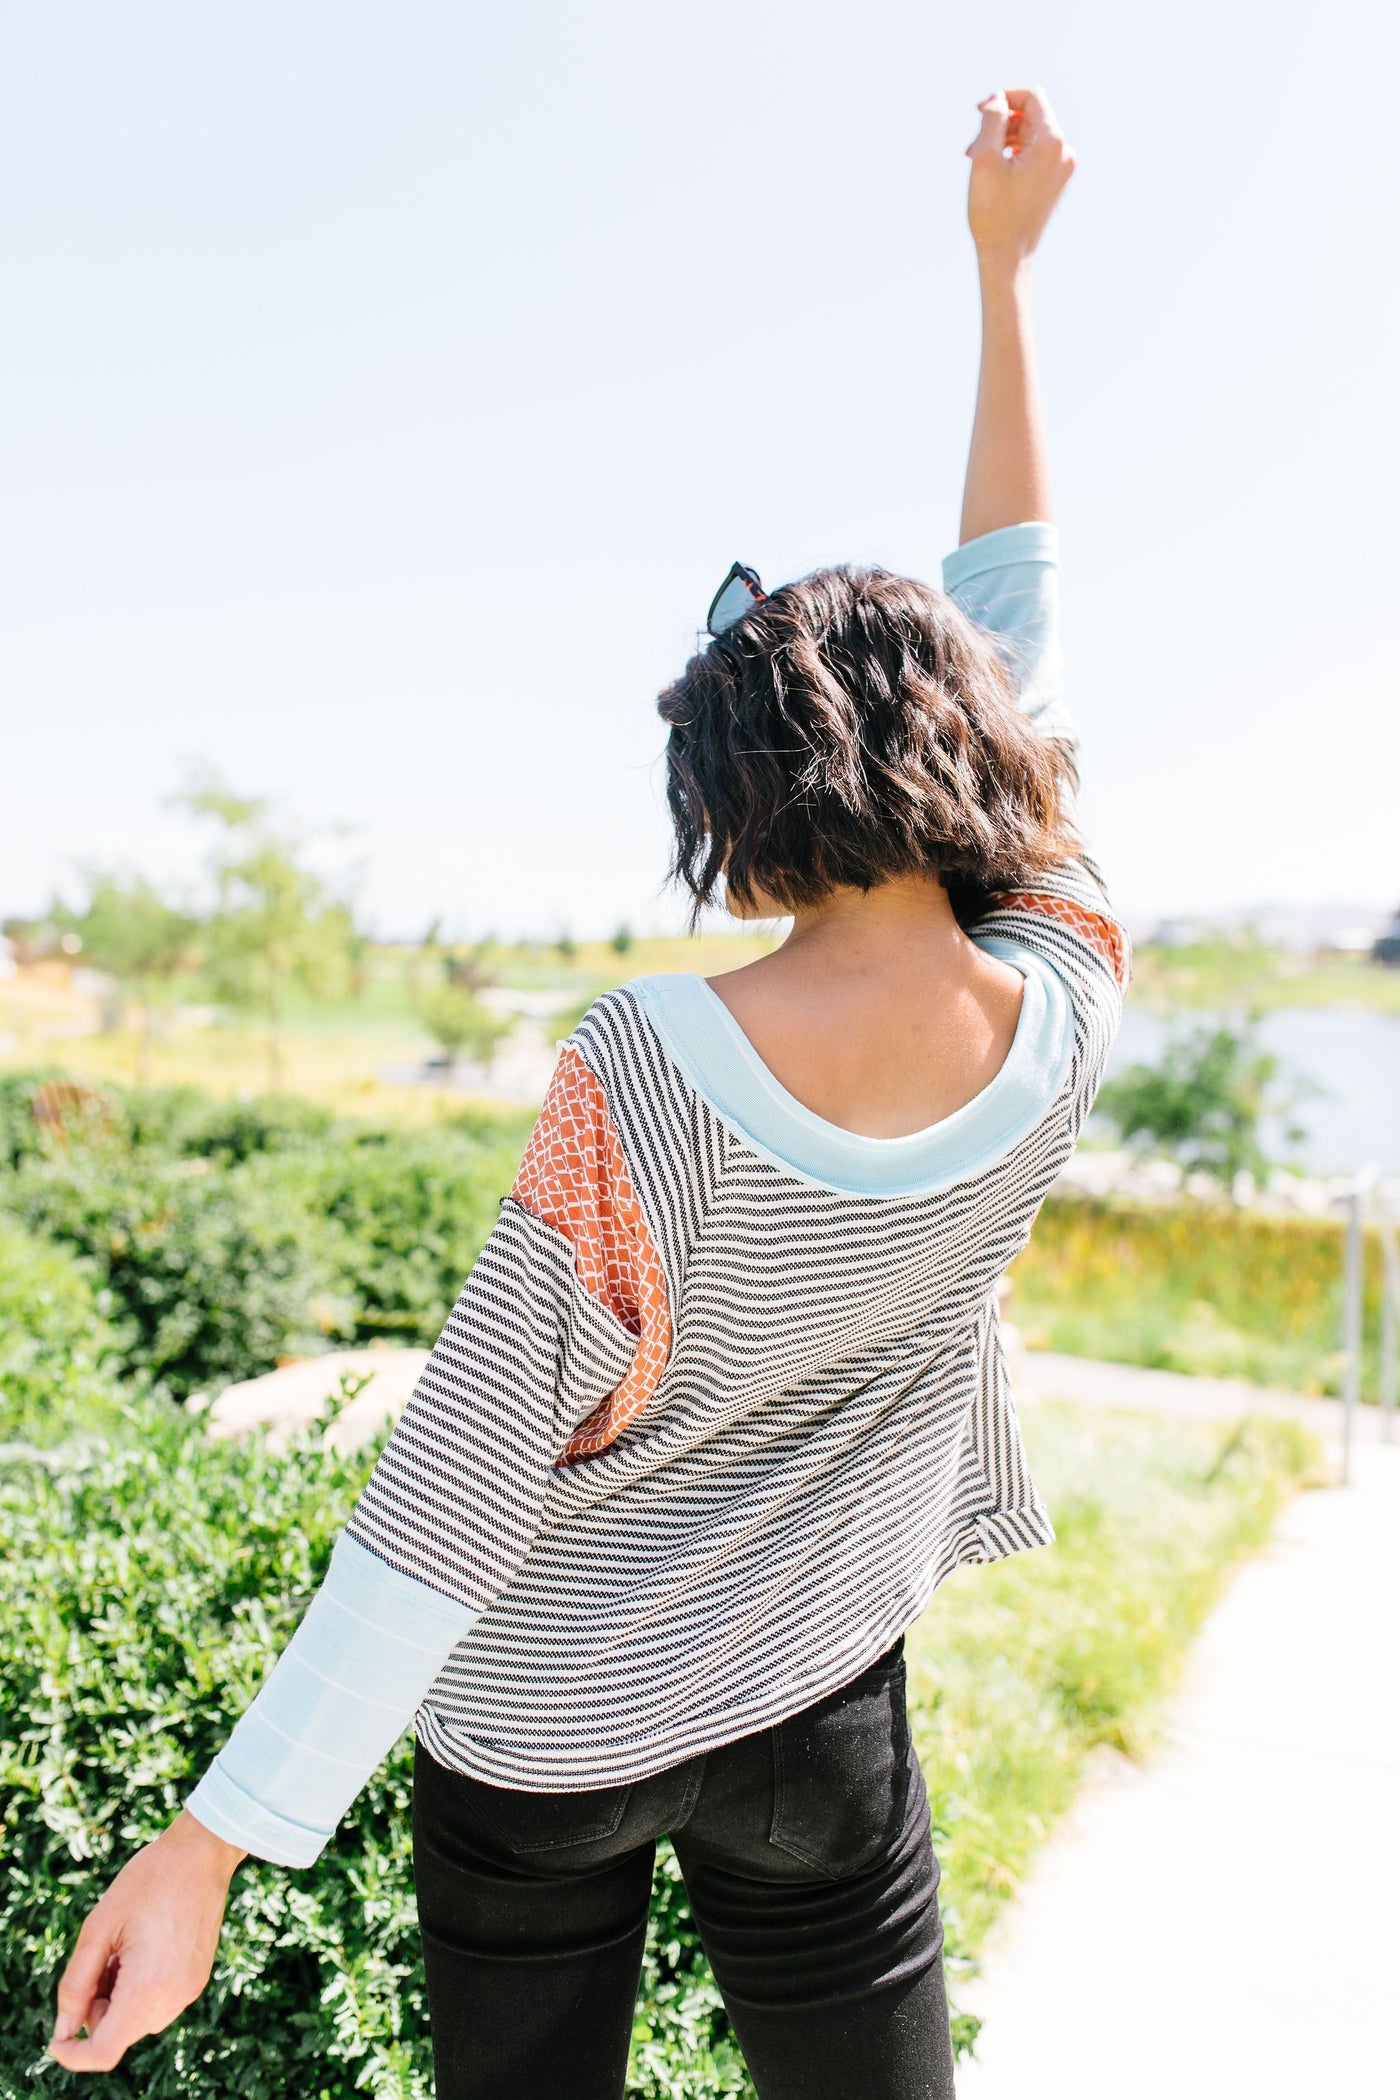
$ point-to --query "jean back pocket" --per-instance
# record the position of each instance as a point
(841, 1772)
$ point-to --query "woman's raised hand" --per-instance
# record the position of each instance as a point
(1020, 164)
(146, 1950)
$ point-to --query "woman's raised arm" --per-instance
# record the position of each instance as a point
(1020, 164)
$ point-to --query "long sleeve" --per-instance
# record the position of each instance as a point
(343, 1691)
(1008, 582)
(557, 1341)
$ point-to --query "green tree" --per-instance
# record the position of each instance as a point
(461, 1024)
(1204, 1103)
(275, 928)
(622, 940)
(129, 930)
(471, 965)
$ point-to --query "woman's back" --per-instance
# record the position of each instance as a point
(878, 1013)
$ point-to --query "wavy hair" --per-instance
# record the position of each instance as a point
(857, 726)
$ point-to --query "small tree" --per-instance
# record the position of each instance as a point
(471, 966)
(129, 930)
(462, 1025)
(622, 940)
(1204, 1103)
(275, 926)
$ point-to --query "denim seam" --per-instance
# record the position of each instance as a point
(692, 1793)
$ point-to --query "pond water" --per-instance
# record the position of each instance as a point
(1351, 1057)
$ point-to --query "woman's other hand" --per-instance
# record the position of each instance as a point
(1020, 164)
(145, 1952)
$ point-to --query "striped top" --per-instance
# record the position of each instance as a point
(723, 1399)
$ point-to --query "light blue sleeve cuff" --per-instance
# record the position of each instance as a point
(344, 1689)
(1008, 582)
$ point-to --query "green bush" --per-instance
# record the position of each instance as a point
(147, 1586)
(21, 1133)
(231, 1233)
(208, 1280)
(186, 1121)
(174, 1121)
(148, 1582)
(55, 1345)
(402, 1217)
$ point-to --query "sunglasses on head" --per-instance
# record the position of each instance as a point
(739, 594)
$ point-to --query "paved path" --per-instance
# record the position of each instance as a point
(1041, 1375)
(1225, 1920)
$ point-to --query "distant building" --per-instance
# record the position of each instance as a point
(1386, 948)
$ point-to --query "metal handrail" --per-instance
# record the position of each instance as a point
(1368, 1190)
(1390, 1318)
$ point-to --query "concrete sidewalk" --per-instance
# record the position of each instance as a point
(1225, 1920)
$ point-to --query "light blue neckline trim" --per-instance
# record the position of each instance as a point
(707, 1043)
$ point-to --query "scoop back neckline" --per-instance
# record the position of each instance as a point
(704, 1039)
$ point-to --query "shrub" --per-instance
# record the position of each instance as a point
(232, 1131)
(91, 1112)
(146, 1590)
(55, 1347)
(403, 1216)
(1203, 1105)
(178, 1121)
(147, 1586)
(461, 1025)
(230, 1233)
(208, 1280)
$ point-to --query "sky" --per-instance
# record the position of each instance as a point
(388, 388)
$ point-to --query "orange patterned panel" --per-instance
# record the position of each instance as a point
(1101, 934)
(574, 1177)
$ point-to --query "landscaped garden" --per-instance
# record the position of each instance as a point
(156, 1244)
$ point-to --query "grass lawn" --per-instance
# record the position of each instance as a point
(1207, 1289)
(1221, 976)
(332, 1052)
(1017, 1671)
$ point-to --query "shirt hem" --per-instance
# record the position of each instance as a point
(991, 1537)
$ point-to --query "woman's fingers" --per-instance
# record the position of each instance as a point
(1020, 164)
(86, 1974)
(146, 1951)
(113, 2024)
(1032, 106)
(991, 138)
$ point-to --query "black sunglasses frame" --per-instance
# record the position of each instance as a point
(739, 573)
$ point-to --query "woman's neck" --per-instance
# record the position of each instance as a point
(878, 1012)
(860, 932)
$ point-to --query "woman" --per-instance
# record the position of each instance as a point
(723, 1399)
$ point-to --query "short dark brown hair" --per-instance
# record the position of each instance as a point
(854, 727)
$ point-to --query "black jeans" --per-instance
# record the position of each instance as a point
(810, 1870)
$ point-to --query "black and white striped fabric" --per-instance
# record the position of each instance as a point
(833, 1432)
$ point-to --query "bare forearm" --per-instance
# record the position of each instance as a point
(1008, 476)
(1020, 164)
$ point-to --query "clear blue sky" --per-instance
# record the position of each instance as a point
(386, 389)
